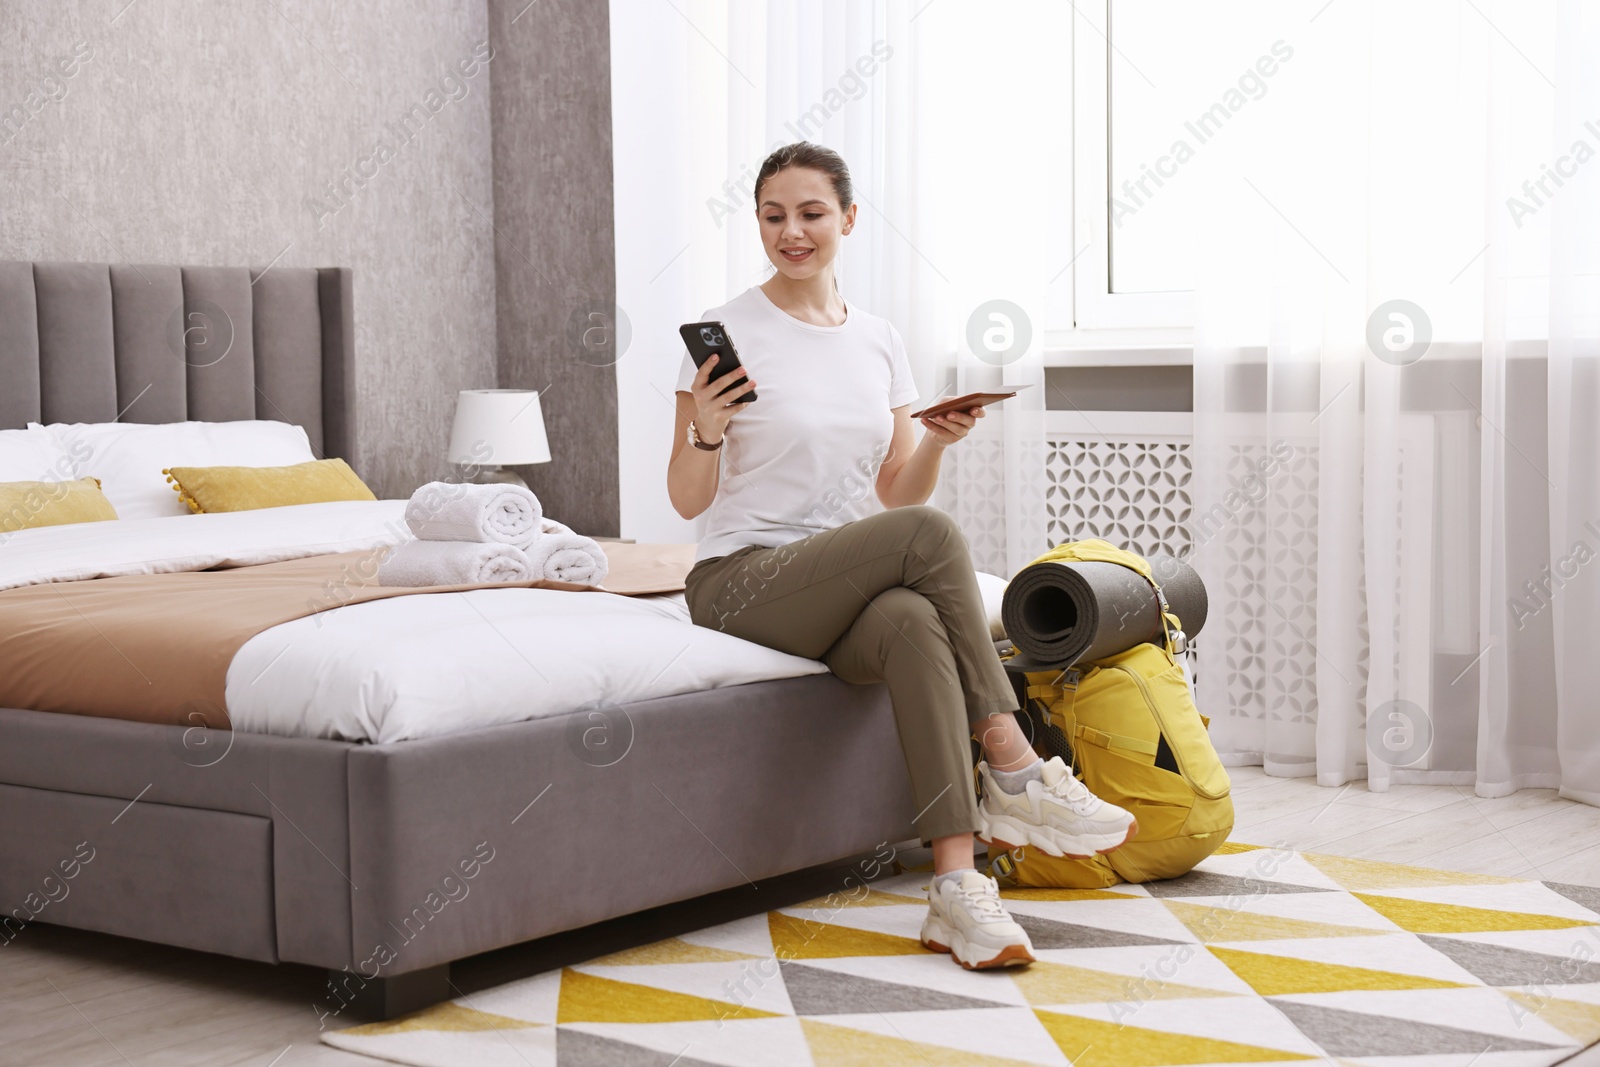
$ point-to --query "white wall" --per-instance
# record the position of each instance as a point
(661, 283)
(245, 134)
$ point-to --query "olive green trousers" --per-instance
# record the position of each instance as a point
(888, 598)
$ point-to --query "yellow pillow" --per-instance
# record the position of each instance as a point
(249, 488)
(26, 505)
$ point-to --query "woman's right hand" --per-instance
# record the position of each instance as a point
(713, 403)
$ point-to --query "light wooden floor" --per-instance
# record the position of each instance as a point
(72, 999)
(1530, 834)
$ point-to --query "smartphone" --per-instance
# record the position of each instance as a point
(705, 339)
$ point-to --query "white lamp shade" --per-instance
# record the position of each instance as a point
(498, 427)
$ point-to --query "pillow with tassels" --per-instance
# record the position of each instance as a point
(211, 489)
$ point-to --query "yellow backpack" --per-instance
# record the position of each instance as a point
(1129, 727)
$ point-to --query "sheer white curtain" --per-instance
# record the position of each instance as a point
(1397, 468)
(953, 122)
(1573, 406)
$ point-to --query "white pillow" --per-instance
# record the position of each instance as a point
(34, 455)
(128, 457)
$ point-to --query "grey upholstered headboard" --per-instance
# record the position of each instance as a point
(87, 342)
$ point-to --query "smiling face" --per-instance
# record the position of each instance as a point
(801, 221)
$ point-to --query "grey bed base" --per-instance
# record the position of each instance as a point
(386, 860)
(389, 861)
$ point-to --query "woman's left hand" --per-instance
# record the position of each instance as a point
(952, 426)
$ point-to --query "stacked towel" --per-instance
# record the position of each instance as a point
(568, 557)
(454, 563)
(497, 514)
(478, 534)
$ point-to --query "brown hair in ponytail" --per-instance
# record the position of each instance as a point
(816, 157)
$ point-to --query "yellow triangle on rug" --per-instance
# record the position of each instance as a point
(1062, 983)
(1426, 917)
(1573, 1017)
(671, 950)
(588, 998)
(1096, 1043)
(843, 1046)
(796, 938)
(448, 1017)
(1371, 874)
(1226, 924)
(1273, 976)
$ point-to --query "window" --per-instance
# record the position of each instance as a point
(1161, 90)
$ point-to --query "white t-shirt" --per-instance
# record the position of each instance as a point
(804, 456)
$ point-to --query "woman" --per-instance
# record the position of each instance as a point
(793, 559)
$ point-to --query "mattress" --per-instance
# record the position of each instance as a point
(412, 666)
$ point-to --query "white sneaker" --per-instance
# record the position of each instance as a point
(966, 919)
(1056, 815)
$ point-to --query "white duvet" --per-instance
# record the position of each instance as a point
(409, 666)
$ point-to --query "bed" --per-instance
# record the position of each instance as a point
(381, 828)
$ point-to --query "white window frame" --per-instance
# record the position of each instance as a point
(1095, 306)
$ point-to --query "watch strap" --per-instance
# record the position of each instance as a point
(694, 439)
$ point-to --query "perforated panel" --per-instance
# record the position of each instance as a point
(1132, 493)
(1270, 594)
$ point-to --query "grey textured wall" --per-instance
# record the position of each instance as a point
(231, 133)
(555, 254)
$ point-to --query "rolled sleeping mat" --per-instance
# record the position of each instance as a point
(1062, 613)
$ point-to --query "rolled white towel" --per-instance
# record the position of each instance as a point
(417, 563)
(568, 557)
(495, 514)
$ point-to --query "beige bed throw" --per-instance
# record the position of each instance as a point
(156, 648)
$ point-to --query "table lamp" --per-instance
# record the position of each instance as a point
(497, 428)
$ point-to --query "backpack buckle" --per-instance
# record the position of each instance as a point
(1003, 864)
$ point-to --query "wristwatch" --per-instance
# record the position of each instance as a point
(694, 439)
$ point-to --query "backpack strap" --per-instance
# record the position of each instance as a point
(1056, 697)
(1051, 691)
(1174, 639)
(1105, 740)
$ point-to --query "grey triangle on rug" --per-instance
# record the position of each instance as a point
(574, 1048)
(1359, 1033)
(1208, 884)
(1586, 896)
(816, 991)
(1500, 965)
(1053, 933)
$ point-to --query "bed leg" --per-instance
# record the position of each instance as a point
(380, 999)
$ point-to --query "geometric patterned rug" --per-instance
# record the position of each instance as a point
(1260, 956)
